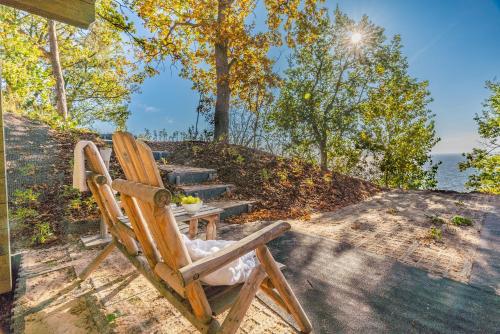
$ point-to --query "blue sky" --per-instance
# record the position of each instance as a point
(454, 44)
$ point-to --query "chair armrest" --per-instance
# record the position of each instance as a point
(209, 264)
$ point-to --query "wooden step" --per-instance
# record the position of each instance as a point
(206, 191)
(180, 174)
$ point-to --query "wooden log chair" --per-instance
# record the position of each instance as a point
(155, 247)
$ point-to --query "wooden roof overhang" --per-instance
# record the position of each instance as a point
(78, 13)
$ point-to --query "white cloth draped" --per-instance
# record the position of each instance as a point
(79, 170)
(232, 273)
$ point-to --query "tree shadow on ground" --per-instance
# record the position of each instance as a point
(348, 290)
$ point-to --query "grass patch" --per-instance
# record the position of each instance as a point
(435, 233)
(111, 317)
(22, 214)
(461, 221)
(25, 197)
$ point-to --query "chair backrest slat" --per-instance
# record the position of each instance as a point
(141, 167)
(149, 164)
(138, 164)
(141, 231)
(127, 154)
(105, 199)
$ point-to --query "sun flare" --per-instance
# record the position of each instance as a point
(356, 37)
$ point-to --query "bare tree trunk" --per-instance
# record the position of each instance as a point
(62, 107)
(323, 154)
(221, 117)
(198, 110)
(255, 129)
(257, 119)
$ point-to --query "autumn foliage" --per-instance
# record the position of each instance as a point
(220, 45)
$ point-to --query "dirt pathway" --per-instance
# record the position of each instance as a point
(31, 152)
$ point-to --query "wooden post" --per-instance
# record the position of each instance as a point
(5, 265)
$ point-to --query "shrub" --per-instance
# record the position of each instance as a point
(75, 204)
(436, 233)
(309, 182)
(461, 221)
(111, 317)
(264, 173)
(69, 192)
(22, 214)
(25, 197)
(28, 169)
(42, 233)
(239, 159)
(89, 202)
(176, 198)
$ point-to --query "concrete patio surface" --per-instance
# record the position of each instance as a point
(348, 290)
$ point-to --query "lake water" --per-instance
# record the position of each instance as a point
(448, 176)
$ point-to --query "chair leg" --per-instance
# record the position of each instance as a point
(241, 305)
(271, 293)
(95, 262)
(284, 289)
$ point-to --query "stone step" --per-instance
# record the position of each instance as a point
(232, 207)
(180, 174)
(158, 155)
(206, 191)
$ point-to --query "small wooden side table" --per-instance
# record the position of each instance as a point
(208, 213)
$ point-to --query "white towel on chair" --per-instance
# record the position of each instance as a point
(79, 171)
(232, 273)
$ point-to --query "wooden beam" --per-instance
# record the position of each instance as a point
(152, 195)
(5, 265)
(97, 261)
(80, 13)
